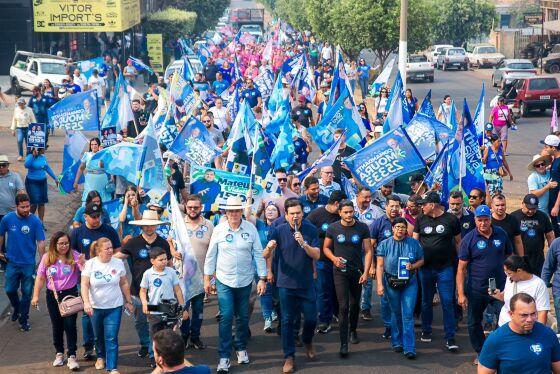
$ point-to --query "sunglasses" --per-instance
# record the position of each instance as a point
(282, 179)
(296, 184)
(474, 197)
(4, 165)
(540, 165)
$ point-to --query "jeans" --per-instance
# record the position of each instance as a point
(292, 301)
(267, 302)
(63, 325)
(402, 314)
(141, 325)
(366, 303)
(21, 134)
(20, 276)
(88, 335)
(327, 303)
(477, 302)
(233, 302)
(106, 324)
(364, 86)
(348, 291)
(445, 282)
(556, 307)
(191, 326)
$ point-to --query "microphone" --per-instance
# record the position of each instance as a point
(296, 229)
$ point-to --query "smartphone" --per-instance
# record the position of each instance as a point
(492, 284)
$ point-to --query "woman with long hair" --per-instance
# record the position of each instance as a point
(60, 269)
(92, 197)
(95, 176)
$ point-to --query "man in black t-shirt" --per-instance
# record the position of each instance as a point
(138, 250)
(507, 222)
(327, 303)
(535, 227)
(552, 148)
(345, 242)
(439, 232)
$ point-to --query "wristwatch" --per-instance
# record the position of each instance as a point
(263, 279)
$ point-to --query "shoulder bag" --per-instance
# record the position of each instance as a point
(70, 304)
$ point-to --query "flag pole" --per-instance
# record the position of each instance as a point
(461, 165)
(253, 165)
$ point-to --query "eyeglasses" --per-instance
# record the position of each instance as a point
(400, 227)
(4, 165)
(206, 121)
(540, 165)
(63, 244)
(193, 207)
(282, 179)
(474, 197)
(296, 184)
(327, 172)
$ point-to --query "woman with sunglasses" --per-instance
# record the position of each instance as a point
(539, 182)
(294, 184)
(380, 106)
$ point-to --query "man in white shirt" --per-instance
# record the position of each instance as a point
(80, 80)
(326, 52)
(97, 83)
(327, 183)
(221, 115)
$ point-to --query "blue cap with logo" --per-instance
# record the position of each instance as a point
(482, 211)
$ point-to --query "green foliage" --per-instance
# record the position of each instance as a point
(208, 11)
(170, 22)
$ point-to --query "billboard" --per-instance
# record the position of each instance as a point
(155, 51)
(85, 16)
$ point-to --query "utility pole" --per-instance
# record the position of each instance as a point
(403, 41)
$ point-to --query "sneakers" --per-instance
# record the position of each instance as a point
(488, 328)
(397, 349)
(14, 317)
(223, 365)
(58, 360)
(100, 364)
(73, 363)
(274, 316)
(268, 325)
(387, 334)
(143, 352)
(25, 327)
(366, 315)
(426, 337)
(88, 354)
(242, 357)
(354, 337)
(152, 363)
(410, 355)
(451, 345)
(324, 328)
(196, 343)
(343, 352)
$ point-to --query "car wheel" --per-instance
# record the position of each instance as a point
(16, 88)
(554, 68)
(466, 67)
(523, 109)
(444, 67)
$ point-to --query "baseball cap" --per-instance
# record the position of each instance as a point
(531, 201)
(93, 208)
(390, 183)
(431, 197)
(21, 100)
(488, 126)
(4, 159)
(482, 211)
(416, 178)
(302, 98)
(551, 140)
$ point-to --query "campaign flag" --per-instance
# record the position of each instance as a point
(189, 271)
(426, 107)
(203, 54)
(152, 162)
(265, 83)
(124, 159)
(239, 141)
(350, 189)
(74, 144)
(261, 156)
(119, 113)
(233, 101)
(279, 117)
(214, 186)
(108, 136)
(277, 96)
(140, 65)
(188, 71)
(113, 208)
(388, 157)
(479, 117)
(425, 132)
(36, 135)
(453, 118)
(267, 52)
(293, 65)
(87, 66)
(382, 78)
(195, 144)
(397, 114)
(554, 120)
(247, 38)
(326, 159)
(306, 82)
(76, 112)
(435, 174)
(182, 95)
(169, 128)
(283, 155)
(339, 82)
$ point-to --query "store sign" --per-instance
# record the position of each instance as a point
(532, 18)
(155, 51)
(87, 15)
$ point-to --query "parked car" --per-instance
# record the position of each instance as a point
(254, 30)
(551, 63)
(453, 57)
(538, 92)
(510, 69)
(31, 69)
(436, 50)
(179, 65)
(485, 55)
(419, 68)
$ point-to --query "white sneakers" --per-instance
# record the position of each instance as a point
(73, 363)
(223, 366)
(242, 357)
(58, 360)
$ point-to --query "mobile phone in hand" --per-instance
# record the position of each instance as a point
(492, 285)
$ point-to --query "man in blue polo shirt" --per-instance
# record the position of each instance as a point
(220, 84)
(24, 236)
(481, 257)
(296, 245)
(251, 94)
(523, 345)
(312, 199)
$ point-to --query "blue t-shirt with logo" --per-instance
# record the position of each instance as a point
(220, 86)
(392, 249)
(263, 230)
(22, 236)
(381, 229)
(309, 206)
(82, 237)
(251, 95)
(300, 149)
(508, 352)
(486, 258)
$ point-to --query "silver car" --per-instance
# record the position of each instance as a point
(509, 69)
(453, 58)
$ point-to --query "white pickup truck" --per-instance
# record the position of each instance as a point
(419, 68)
(485, 55)
(31, 69)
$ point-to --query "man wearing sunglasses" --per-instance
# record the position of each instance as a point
(285, 192)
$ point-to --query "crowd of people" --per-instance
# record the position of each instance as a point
(312, 254)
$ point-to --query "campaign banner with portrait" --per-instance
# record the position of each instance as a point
(108, 136)
(36, 135)
(76, 112)
(215, 186)
(195, 144)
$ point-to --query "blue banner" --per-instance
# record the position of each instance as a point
(124, 159)
(74, 144)
(76, 112)
(426, 106)
(152, 162)
(265, 83)
(388, 157)
(473, 169)
(195, 144)
(326, 159)
(425, 133)
(88, 66)
(436, 172)
(108, 136)
(36, 135)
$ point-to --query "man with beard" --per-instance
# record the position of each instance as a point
(507, 222)
(312, 198)
(465, 217)
(366, 212)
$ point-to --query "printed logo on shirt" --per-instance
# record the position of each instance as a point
(307, 209)
(324, 226)
(355, 238)
(86, 242)
(368, 216)
(97, 275)
(190, 233)
(229, 238)
(524, 228)
(245, 236)
(497, 242)
(531, 232)
(66, 269)
(107, 277)
(356, 215)
(481, 244)
(199, 234)
(143, 253)
(25, 229)
(440, 229)
(387, 233)
(428, 229)
(341, 238)
(536, 348)
(466, 225)
(203, 228)
(52, 271)
(157, 282)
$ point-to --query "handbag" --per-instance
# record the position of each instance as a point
(69, 305)
(508, 119)
(395, 282)
(502, 172)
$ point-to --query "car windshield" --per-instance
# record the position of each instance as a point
(248, 28)
(489, 49)
(417, 59)
(53, 68)
(520, 66)
(543, 84)
(455, 52)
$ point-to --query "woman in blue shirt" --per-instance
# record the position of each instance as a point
(36, 180)
(397, 259)
(92, 197)
(131, 210)
(411, 102)
(495, 166)
(363, 77)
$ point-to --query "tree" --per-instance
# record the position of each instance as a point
(208, 12)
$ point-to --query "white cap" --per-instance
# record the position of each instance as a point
(551, 140)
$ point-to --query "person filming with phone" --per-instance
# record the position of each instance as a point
(485, 250)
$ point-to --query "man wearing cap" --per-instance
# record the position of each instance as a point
(539, 182)
(10, 186)
(303, 112)
(552, 148)
(417, 185)
(80, 240)
(507, 222)
(481, 257)
(312, 199)
(439, 233)
(535, 227)
(138, 250)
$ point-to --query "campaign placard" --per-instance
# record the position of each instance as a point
(36, 135)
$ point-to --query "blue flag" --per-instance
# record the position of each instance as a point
(265, 83)
(473, 163)
(338, 85)
(479, 119)
(169, 128)
(388, 157)
(76, 112)
(425, 133)
(453, 118)
(397, 114)
(113, 208)
(124, 159)
(426, 106)
(435, 175)
(261, 156)
(283, 155)
(87, 66)
(240, 142)
(277, 96)
(74, 144)
(326, 159)
(152, 162)
(188, 71)
(139, 65)
(195, 144)
(119, 112)
(350, 189)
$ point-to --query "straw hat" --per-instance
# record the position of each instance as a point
(149, 218)
(233, 203)
(536, 159)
